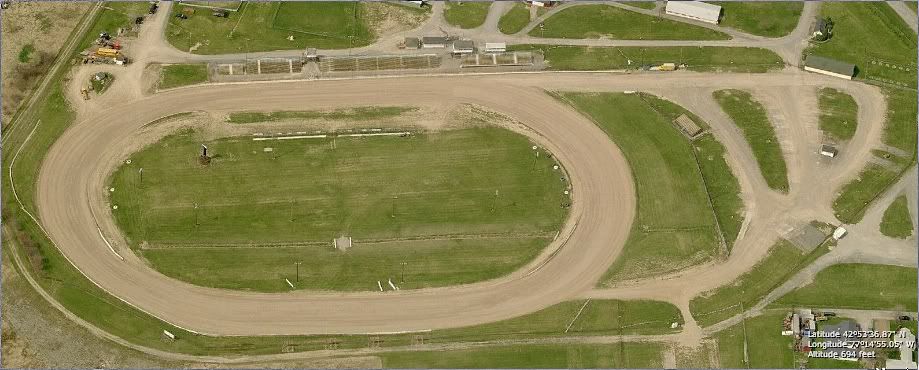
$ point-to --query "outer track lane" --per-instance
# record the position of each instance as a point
(603, 200)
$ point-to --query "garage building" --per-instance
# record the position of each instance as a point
(695, 10)
(829, 67)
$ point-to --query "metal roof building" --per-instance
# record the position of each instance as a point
(696, 10)
(463, 47)
(829, 67)
(428, 42)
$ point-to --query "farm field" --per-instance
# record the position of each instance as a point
(699, 59)
(514, 20)
(783, 261)
(595, 21)
(838, 114)
(899, 134)
(674, 226)
(466, 14)
(761, 18)
(625, 354)
(750, 116)
(397, 197)
(175, 75)
(857, 286)
(260, 27)
(766, 347)
(873, 37)
(896, 222)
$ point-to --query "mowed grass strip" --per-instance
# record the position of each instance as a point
(873, 37)
(899, 133)
(546, 356)
(597, 317)
(514, 20)
(266, 26)
(175, 75)
(723, 187)
(838, 114)
(675, 227)
(766, 346)
(896, 222)
(353, 114)
(858, 286)
(783, 261)
(696, 58)
(466, 14)
(761, 18)
(750, 116)
(596, 21)
(427, 263)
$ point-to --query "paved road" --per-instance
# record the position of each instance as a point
(907, 14)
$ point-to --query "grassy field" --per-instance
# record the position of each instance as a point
(399, 198)
(896, 222)
(838, 114)
(350, 114)
(639, 4)
(722, 185)
(674, 226)
(555, 356)
(700, 59)
(466, 14)
(595, 21)
(25, 54)
(873, 37)
(514, 20)
(598, 317)
(175, 75)
(912, 5)
(783, 261)
(899, 133)
(858, 286)
(762, 18)
(266, 26)
(750, 116)
(766, 346)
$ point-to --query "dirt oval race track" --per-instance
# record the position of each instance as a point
(71, 202)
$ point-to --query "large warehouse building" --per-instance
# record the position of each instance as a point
(695, 10)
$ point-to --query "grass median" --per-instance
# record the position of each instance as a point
(838, 114)
(761, 339)
(596, 21)
(466, 14)
(515, 20)
(696, 58)
(897, 222)
(750, 116)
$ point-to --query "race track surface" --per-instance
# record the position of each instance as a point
(71, 202)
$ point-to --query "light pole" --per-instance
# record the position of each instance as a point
(402, 277)
(196, 214)
(141, 172)
(298, 270)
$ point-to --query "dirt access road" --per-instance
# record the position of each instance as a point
(71, 200)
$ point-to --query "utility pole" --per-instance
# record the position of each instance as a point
(298, 270)
(393, 212)
(141, 172)
(494, 204)
(196, 214)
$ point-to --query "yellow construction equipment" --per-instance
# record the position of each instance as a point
(107, 52)
(668, 67)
